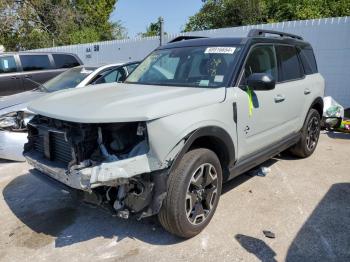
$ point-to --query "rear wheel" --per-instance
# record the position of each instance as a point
(309, 135)
(194, 189)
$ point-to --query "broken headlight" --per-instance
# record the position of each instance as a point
(9, 120)
(15, 121)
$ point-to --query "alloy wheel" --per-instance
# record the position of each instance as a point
(313, 131)
(201, 193)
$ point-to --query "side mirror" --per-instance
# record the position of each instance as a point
(261, 81)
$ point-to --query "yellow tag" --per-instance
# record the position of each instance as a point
(250, 101)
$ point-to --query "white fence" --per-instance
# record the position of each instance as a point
(330, 38)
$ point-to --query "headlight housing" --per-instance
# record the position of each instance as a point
(8, 120)
(16, 121)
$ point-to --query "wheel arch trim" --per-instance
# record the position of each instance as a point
(215, 132)
(317, 101)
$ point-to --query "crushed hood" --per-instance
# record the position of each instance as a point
(18, 102)
(124, 102)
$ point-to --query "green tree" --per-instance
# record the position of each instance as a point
(283, 10)
(152, 30)
(29, 24)
(225, 13)
(228, 13)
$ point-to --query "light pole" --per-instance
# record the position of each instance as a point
(161, 30)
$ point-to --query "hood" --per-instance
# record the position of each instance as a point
(111, 103)
(18, 102)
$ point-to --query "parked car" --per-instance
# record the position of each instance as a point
(17, 69)
(194, 114)
(14, 115)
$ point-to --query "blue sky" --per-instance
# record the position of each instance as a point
(136, 15)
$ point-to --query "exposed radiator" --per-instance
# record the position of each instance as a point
(59, 149)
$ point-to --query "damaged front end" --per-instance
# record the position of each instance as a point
(111, 161)
(13, 134)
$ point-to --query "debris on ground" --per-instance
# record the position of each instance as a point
(269, 234)
(332, 108)
(344, 126)
(261, 171)
(333, 113)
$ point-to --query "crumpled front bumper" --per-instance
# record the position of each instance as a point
(85, 178)
(11, 145)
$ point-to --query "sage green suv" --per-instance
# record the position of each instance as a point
(194, 114)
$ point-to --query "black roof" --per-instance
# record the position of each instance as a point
(205, 41)
(254, 36)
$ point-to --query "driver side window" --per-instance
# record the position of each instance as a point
(262, 59)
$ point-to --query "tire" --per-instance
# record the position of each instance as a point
(310, 134)
(189, 193)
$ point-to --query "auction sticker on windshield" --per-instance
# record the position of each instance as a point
(220, 50)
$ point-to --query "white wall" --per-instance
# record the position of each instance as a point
(330, 38)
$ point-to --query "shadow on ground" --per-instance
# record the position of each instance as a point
(231, 184)
(51, 214)
(338, 135)
(325, 236)
(48, 214)
(257, 247)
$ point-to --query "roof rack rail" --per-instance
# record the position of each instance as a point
(185, 37)
(262, 32)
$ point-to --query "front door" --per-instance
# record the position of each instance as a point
(260, 123)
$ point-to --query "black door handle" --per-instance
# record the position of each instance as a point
(28, 76)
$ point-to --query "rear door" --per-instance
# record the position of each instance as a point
(10, 82)
(291, 85)
(36, 68)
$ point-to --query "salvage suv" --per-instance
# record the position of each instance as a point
(195, 113)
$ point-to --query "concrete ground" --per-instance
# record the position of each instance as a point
(305, 202)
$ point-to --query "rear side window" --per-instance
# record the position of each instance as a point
(7, 64)
(308, 60)
(65, 61)
(35, 62)
(289, 65)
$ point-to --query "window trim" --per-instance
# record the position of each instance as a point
(240, 76)
(279, 64)
(313, 54)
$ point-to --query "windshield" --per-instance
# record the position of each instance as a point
(68, 79)
(200, 66)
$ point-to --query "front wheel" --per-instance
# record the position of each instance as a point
(194, 189)
(309, 135)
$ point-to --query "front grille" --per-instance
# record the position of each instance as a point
(56, 149)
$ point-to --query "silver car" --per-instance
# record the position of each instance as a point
(14, 114)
